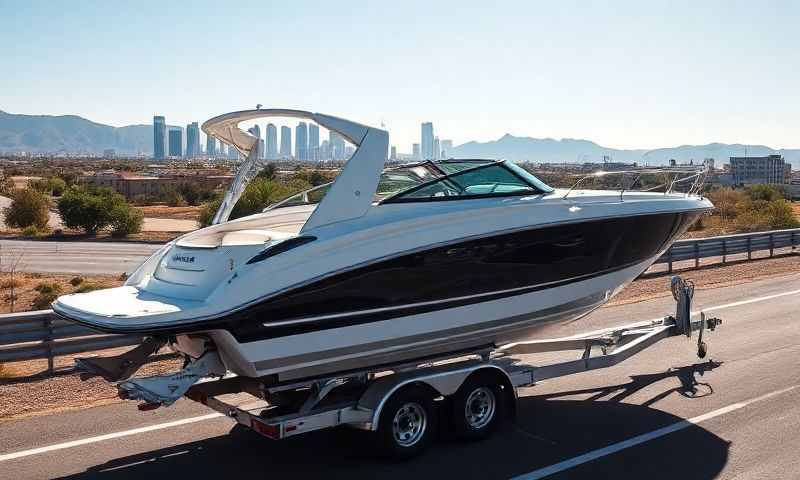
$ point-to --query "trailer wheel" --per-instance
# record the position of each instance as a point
(477, 407)
(407, 424)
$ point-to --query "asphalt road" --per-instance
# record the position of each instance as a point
(85, 258)
(742, 404)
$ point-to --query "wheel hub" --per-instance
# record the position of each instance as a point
(480, 407)
(409, 424)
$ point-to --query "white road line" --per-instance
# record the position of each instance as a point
(573, 462)
(738, 304)
(109, 436)
(645, 437)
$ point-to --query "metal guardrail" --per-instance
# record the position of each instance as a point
(699, 248)
(41, 334)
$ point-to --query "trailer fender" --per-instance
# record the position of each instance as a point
(442, 382)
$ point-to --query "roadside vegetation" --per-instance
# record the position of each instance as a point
(263, 191)
(29, 211)
(753, 209)
(93, 209)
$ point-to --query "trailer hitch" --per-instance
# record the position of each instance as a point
(683, 292)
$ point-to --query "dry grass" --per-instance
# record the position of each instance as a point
(72, 235)
(175, 213)
(26, 283)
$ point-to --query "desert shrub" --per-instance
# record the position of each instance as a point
(48, 292)
(57, 186)
(40, 185)
(725, 201)
(769, 193)
(208, 210)
(30, 231)
(48, 287)
(89, 209)
(28, 207)
(126, 220)
(75, 281)
(174, 198)
(10, 283)
(87, 287)
(7, 186)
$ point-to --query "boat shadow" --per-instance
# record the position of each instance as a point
(546, 430)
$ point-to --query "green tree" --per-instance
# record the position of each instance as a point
(125, 220)
(259, 194)
(268, 172)
(28, 208)
(57, 186)
(88, 209)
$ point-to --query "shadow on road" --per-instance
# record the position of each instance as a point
(546, 431)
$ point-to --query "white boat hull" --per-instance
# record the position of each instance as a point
(515, 318)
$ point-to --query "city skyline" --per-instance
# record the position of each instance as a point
(635, 76)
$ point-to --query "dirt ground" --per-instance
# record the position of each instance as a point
(25, 391)
(176, 213)
(26, 283)
(70, 235)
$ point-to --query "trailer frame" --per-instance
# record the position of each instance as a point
(358, 398)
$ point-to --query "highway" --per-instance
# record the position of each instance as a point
(664, 414)
(87, 258)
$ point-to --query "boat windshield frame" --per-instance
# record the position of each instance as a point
(536, 189)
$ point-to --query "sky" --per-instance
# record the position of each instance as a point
(625, 74)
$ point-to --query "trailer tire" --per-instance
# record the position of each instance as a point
(407, 424)
(478, 407)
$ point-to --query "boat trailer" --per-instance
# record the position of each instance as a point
(401, 403)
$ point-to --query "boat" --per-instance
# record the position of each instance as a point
(384, 265)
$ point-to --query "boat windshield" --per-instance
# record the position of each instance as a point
(405, 181)
(491, 179)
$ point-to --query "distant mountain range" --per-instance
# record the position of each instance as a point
(70, 134)
(75, 135)
(575, 150)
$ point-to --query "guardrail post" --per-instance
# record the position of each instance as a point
(749, 249)
(771, 244)
(724, 251)
(793, 244)
(696, 254)
(669, 260)
(48, 343)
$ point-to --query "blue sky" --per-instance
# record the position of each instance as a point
(624, 74)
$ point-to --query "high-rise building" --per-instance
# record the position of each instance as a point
(393, 153)
(272, 142)
(415, 152)
(301, 142)
(313, 142)
(159, 137)
(286, 143)
(427, 141)
(255, 130)
(447, 148)
(325, 151)
(192, 140)
(175, 142)
(233, 154)
(336, 142)
(211, 146)
(437, 149)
